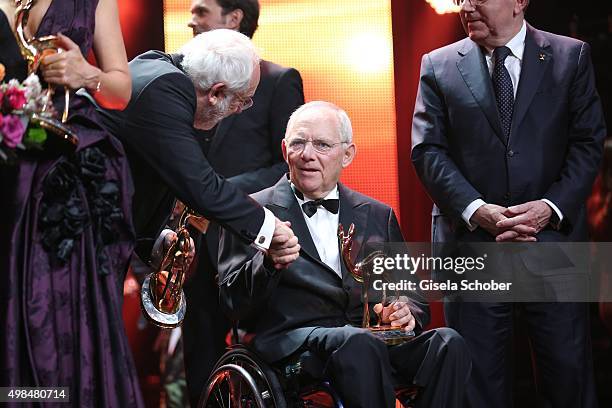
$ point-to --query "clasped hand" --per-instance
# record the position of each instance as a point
(284, 248)
(519, 223)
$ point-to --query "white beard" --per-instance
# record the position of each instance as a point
(207, 118)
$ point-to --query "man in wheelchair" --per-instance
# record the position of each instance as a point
(313, 303)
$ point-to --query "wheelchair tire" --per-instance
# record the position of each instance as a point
(241, 380)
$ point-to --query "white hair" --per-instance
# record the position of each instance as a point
(222, 55)
(345, 130)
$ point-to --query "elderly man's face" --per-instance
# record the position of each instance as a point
(316, 173)
(492, 23)
(216, 103)
(207, 15)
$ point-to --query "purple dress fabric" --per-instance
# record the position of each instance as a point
(65, 241)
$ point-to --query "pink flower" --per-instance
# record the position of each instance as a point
(1, 120)
(13, 130)
(15, 98)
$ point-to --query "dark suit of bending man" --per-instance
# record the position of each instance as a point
(508, 152)
(246, 149)
(312, 304)
(172, 95)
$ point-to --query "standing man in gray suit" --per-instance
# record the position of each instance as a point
(246, 149)
(507, 138)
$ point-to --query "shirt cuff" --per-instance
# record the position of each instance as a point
(470, 210)
(264, 237)
(556, 210)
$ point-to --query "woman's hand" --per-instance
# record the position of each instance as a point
(68, 67)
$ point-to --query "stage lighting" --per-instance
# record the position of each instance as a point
(443, 6)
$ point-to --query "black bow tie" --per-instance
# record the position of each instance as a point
(310, 207)
(331, 205)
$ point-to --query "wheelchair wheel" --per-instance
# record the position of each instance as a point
(241, 380)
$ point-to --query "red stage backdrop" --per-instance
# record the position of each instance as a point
(142, 24)
(344, 51)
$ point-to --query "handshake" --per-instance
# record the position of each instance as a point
(284, 248)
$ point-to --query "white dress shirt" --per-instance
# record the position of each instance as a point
(264, 236)
(513, 64)
(323, 227)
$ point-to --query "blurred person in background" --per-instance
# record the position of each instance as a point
(246, 149)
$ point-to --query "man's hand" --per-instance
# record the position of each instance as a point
(170, 238)
(284, 247)
(487, 216)
(398, 314)
(532, 214)
(491, 216)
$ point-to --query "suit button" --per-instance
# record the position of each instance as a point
(510, 153)
(507, 196)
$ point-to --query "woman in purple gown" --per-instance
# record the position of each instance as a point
(66, 230)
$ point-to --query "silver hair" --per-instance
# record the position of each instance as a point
(345, 130)
(222, 55)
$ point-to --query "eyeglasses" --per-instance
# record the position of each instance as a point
(297, 145)
(473, 3)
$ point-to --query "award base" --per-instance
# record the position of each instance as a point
(391, 335)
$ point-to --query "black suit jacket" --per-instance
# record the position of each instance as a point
(157, 132)
(246, 147)
(283, 307)
(554, 148)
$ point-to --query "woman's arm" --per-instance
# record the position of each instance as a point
(110, 84)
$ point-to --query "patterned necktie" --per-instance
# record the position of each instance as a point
(502, 85)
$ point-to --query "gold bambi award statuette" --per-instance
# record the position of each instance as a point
(362, 273)
(61, 139)
(161, 296)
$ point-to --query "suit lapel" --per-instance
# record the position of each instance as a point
(473, 68)
(287, 208)
(536, 58)
(355, 211)
(222, 128)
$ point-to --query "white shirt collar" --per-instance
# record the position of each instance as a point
(323, 228)
(331, 195)
(516, 43)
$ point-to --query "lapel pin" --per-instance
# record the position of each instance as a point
(542, 57)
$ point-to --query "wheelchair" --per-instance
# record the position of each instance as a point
(241, 379)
